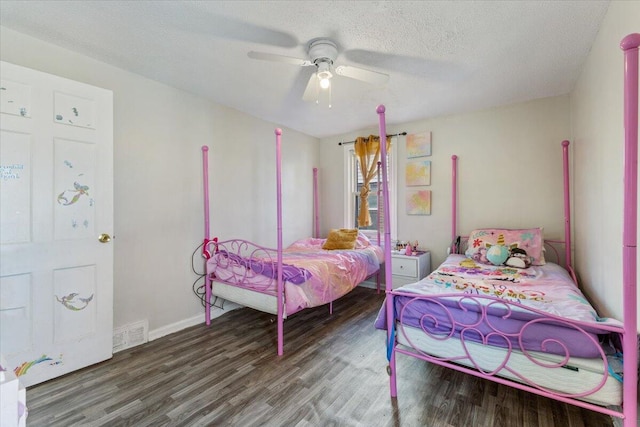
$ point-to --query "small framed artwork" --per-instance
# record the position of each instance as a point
(419, 202)
(418, 144)
(418, 172)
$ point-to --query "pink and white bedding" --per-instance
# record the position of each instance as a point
(329, 274)
(499, 305)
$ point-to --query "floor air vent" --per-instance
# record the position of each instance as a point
(130, 335)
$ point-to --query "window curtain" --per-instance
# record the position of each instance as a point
(368, 152)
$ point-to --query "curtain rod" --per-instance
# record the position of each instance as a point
(353, 142)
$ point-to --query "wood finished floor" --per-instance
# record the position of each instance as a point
(333, 373)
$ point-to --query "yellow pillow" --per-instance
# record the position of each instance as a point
(343, 238)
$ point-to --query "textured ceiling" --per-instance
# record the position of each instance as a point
(443, 57)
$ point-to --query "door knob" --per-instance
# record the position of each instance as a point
(104, 238)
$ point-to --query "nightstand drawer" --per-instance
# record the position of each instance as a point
(407, 267)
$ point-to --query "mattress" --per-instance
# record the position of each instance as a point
(579, 378)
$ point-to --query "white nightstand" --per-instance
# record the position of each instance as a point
(409, 269)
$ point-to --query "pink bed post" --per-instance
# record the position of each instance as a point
(315, 203)
(280, 288)
(630, 227)
(387, 252)
(454, 202)
(567, 209)
(205, 186)
(379, 166)
(207, 235)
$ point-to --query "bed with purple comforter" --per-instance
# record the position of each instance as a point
(499, 304)
(312, 276)
(511, 322)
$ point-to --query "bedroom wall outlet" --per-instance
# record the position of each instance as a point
(130, 335)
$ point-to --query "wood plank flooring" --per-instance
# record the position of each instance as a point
(333, 373)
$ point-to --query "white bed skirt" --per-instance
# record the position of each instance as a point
(246, 297)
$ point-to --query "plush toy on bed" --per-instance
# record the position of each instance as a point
(480, 256)
(497, 254)
(519, 248)
(511, 256)
(518, 258)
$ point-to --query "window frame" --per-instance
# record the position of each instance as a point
(351, 193)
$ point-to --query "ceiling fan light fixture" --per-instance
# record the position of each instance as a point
(324, 81)
(324, 74)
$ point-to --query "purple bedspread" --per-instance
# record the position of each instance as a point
(502, 307)
(436, 319)
(290, 273)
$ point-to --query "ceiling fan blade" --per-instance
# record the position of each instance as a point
(361, 74)
(279, 58)
(311, 92)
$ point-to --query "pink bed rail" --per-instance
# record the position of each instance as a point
(629, 331)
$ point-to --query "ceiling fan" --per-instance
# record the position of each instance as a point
(322, 54)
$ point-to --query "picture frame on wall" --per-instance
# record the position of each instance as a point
(418, 202)
(418, 173)
(418, 144)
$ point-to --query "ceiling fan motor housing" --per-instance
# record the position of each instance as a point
(322, 50)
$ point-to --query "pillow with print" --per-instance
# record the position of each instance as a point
(529, 240)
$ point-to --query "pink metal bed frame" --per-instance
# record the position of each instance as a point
(210, 245)
(628, 331)
(206, 253)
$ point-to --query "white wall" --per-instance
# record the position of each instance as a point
(510, 172)
(158, 181)
(597, 129)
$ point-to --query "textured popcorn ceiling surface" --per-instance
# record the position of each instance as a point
(443, 57)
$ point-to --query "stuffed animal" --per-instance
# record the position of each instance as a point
(497, 254)
(518, 258)
(480, 256)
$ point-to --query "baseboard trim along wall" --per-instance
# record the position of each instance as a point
(193, 321)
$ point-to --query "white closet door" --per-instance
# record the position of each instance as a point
(56, 199)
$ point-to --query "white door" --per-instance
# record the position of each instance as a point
(56, 199)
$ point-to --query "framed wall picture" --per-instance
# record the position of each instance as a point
(418, 144)
(418, 172)
(419, 202)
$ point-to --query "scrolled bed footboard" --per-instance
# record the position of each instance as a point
(231, 262)
(495, 338)
(244, 264)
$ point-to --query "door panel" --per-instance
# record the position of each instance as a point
(15, 198)
(56, 186)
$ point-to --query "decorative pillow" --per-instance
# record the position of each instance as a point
(529, 240)
(343, 238)
(362, 241)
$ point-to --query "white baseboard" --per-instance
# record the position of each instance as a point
(187, 323)
(366, 284)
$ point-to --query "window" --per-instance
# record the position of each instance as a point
(354, 181)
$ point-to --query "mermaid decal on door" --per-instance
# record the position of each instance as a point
(69, 197)
(76, 201)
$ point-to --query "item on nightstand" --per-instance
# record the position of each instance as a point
(408, 251)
